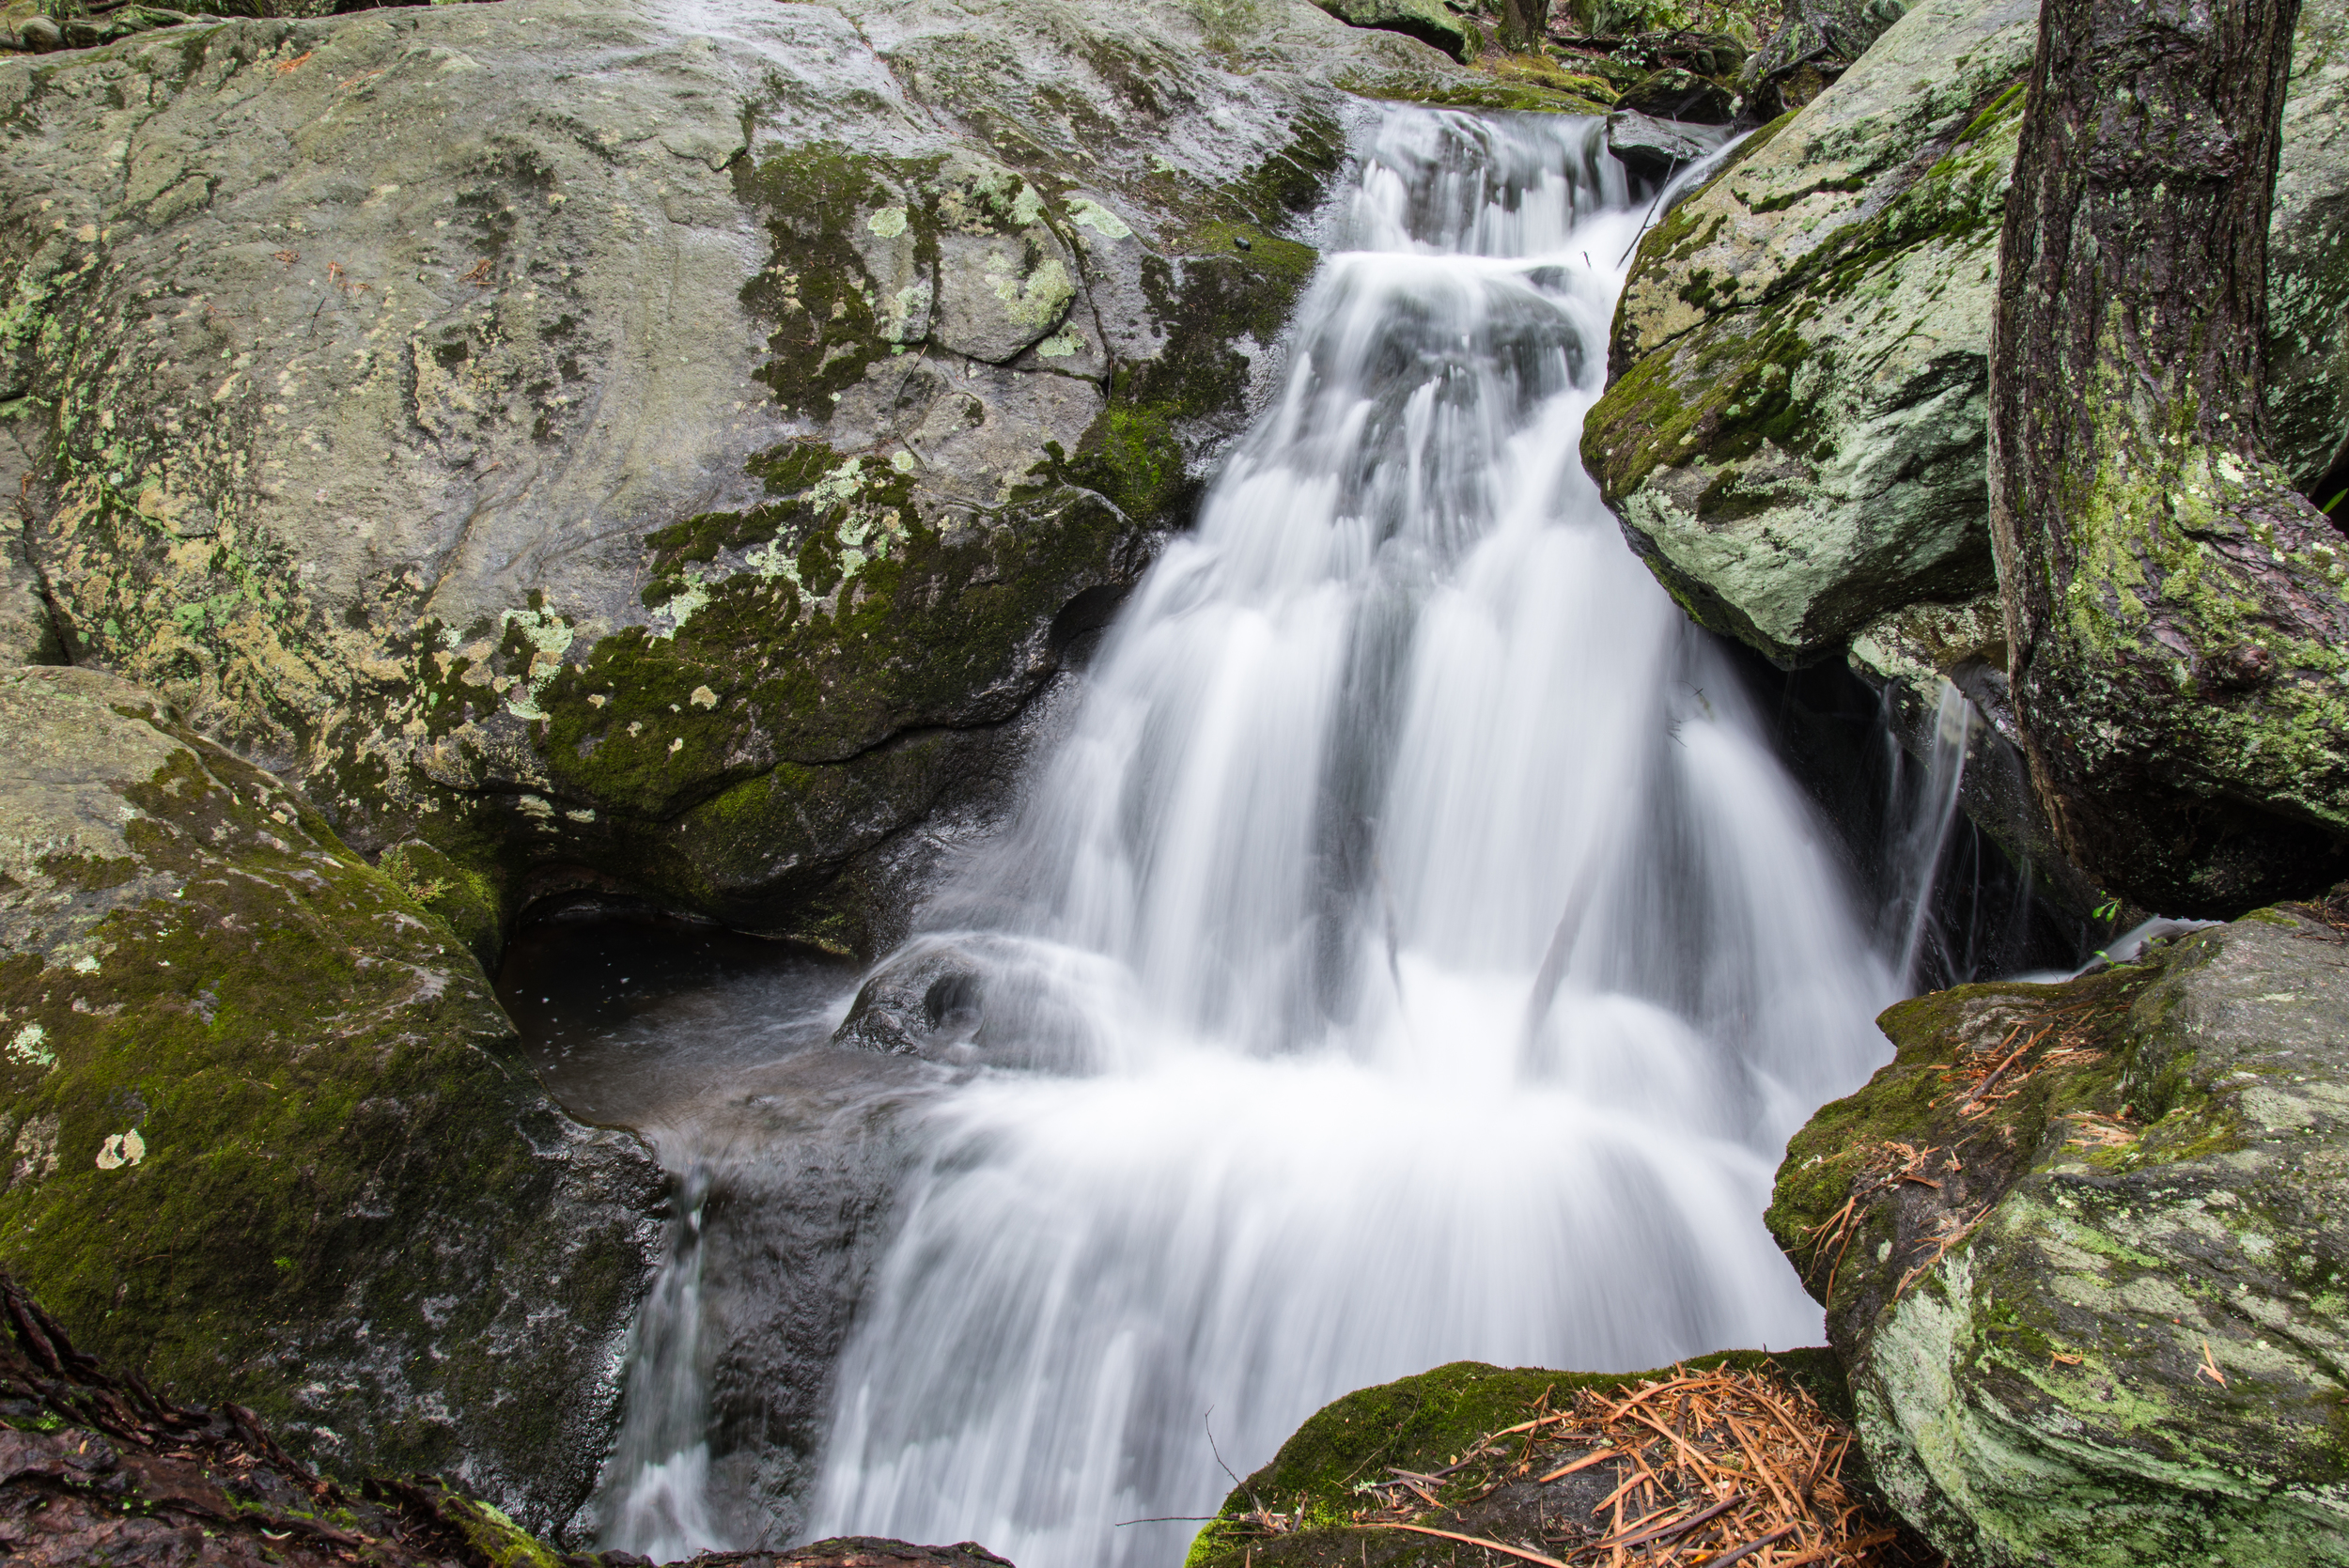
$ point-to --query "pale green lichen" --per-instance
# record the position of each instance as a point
(1037, 300)
(669, 616)
(26, 1049)
(1093, 215)
(548, 636)
(121, 1150)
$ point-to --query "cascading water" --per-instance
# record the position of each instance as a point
(1924, 829)
(1413, 950)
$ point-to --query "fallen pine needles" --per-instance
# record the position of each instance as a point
(1711, 1468)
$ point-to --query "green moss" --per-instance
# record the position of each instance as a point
(315, 1070)
(828, 322)
(500, 1542)
(464, 900)
(849, 616)
(1719, 394)
(1425, 1423)
(1918, 1101)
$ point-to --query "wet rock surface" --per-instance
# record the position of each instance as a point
(267, 1133)
(785, 1155)
(99, 1467)
(1796, 428)
(2080, 1247)
(683, 479)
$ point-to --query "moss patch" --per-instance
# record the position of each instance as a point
(297, 1161)
(1425, 1423)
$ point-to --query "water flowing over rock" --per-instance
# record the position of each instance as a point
(1411, 914)
(101, 1467)
(637, 443)
(266, 1132)
(1795, 435)
(2080, 1247)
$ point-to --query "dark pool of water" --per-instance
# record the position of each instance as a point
(640, 1021)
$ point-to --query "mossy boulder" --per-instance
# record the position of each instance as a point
(2082, 1248)
(1428, 21)
(1796, 428)
(682, 482)
(268, 1136)
(1425, 1424)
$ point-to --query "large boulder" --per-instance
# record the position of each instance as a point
(600, 441)
(268, 1137)
(1795, 431)
(2082, 1248)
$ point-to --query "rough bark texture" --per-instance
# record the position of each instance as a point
(2179, 638)
(1524, 22)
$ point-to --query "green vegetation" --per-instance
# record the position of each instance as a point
(262, 1101)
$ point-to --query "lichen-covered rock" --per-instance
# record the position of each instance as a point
(584, 433)
(267, 1135)
(2082, 1250)
(1795, 431)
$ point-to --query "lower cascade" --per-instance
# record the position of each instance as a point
(1410, 949)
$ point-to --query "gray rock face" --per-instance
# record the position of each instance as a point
(1796, 430)
(264, 1131)
(2091, 1300)
(581, 434)
(1655, 149)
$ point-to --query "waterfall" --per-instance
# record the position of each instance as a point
(1921, 828)
(1411, 951)
(663, 1455)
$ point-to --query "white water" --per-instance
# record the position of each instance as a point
(1923, 829)
(1413, 954)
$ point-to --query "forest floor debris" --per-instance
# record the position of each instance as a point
(1697, 1469)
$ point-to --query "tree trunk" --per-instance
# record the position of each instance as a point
(2178, 637)
(1524, 23)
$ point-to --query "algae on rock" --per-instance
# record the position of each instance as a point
(271, 1136)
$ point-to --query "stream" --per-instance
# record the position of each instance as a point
(1408, 949)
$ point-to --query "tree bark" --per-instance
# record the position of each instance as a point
(2177, 631)
(1524, 23)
